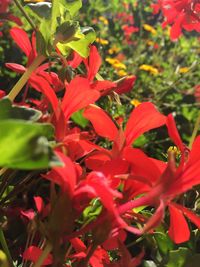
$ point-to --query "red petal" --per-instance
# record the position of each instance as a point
(64, 176)
(190, 175)
(21, 39)
(15, 19)
(102, 123)
(156, 219)
(176, 27)
(143, 118)
(138, 160)
(40, 84)
(29, 214)
(2, 94)
(39, 204)
(178, 231)
(102, 86)
(106, 194)
(173, 132)
(33, 253)
(78, 95)
(96, 161)
(93, 63)
(78, 244)
(189, 214)
(125, 85)
(16, 67)
(59, 122)
(52, 79)
(75, 61)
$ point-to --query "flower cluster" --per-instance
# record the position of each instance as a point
(181, 14)
(101, 182)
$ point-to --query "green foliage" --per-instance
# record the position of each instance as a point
(177, 258)
(78, 118)
(9, 111)
(60, 17)
(25, 145)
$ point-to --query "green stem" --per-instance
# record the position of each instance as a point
(22, 81)
(195, 131)
(5, 248)
(44, 255)
(21, 8)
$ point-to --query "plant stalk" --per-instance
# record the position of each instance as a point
(195, 131)
(21, 8)
(22, 81)
(5, 248)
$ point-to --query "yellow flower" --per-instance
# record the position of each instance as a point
(149, 28)
(135, 102)
(115, 63)
(104, 20)
(174, 149)
(111, 60)
(149, 68)
(119, 65)
(150, 43)
(102, 41)
(183, 70)
(122, 73)
(113, 49)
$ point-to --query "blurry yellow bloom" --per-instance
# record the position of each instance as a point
(150, 43)
(104, 20)
(135, 102)
(122, 73)
(149, 28)
(113, 49)
(183, 70)
(111, 60)
(3, 259)
(116, 63)
(119, 65)
(167, 30)
(102, 41)
(149, 68)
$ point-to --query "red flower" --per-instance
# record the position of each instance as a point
(5, 14)
(197, 92)
(169, 183)
(181, 14)
(33, 253)
(40, 80)
(92, 64)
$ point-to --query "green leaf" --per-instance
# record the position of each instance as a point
(78, 118)
(81, 46)
(24, 145)
(149, 264)
(66, 32)
(42, 10)
(60, 8)
(163, 242)
(140, 141)
(9, 111)
(72, 6)
(41, 44)
(177, 258)
(45, 42)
